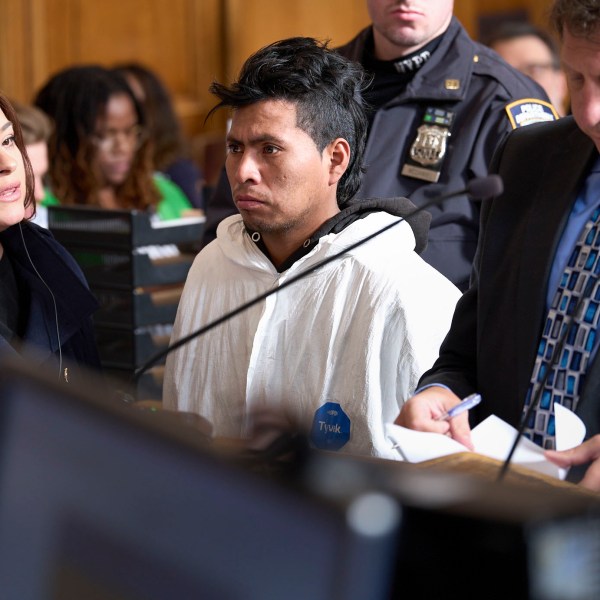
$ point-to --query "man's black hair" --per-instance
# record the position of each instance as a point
(325, 87)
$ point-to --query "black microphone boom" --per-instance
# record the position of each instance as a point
(485, 187)
(481, 187)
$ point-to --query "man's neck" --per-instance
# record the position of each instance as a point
(281, 245)
(386, 49)
(107, 198)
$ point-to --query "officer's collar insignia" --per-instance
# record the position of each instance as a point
(413, 63)
(530, 110)
(452, 84)
(428, 150)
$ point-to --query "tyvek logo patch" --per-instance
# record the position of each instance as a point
(330, 428)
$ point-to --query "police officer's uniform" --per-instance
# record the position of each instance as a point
(441, 131)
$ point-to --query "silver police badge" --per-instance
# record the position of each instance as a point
(429, 147)
(428, 150)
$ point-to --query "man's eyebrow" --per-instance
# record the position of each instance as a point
(6, 125)
(260, 139)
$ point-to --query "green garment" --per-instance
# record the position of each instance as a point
(171, 205)
(173, 201)
(49, 198)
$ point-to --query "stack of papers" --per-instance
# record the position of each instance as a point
(494, 438)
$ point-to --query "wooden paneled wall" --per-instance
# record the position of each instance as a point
(188, 42)
(182, 40)
(254, 23)
(251, 24)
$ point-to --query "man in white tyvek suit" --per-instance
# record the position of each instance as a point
(338, 352)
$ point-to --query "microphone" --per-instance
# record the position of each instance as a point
(554, 357)
(481, 187)
(485, 187)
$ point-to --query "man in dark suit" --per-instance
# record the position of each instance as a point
(529, 237)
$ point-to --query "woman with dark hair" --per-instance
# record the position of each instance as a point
(171, 152)
(45, 303)
(100, 151)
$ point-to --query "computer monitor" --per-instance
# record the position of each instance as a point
(99, 500)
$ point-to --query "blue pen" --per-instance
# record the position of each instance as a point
(466, 404)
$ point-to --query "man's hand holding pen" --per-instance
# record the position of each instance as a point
(437, 409)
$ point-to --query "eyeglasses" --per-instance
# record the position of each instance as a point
(107, 140)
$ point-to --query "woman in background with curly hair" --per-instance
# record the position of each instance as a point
(100, 153)
(172, 155)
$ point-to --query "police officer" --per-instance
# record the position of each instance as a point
(441, 104)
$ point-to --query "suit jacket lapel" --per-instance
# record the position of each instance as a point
(547, 218)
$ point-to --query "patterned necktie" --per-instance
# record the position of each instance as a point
(579, 283)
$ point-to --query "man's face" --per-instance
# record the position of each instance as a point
(581, 63)
(281, 183)
(531, 56)
(403, 26)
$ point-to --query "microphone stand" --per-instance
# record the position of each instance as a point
(481, 187)
(240, 309)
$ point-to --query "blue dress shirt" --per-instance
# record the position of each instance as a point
(586, 202)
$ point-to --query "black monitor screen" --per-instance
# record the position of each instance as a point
(98, 501)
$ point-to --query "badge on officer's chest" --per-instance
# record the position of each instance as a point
(428, 150)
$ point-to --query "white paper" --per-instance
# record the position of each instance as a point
(494, 438)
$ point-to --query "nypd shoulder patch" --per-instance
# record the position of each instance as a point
(530, 110)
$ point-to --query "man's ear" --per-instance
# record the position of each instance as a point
(338, 154)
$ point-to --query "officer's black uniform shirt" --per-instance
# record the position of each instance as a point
(390, 77)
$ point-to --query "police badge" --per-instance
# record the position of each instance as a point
(429, 147)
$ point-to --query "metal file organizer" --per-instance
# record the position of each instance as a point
(136, 268)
